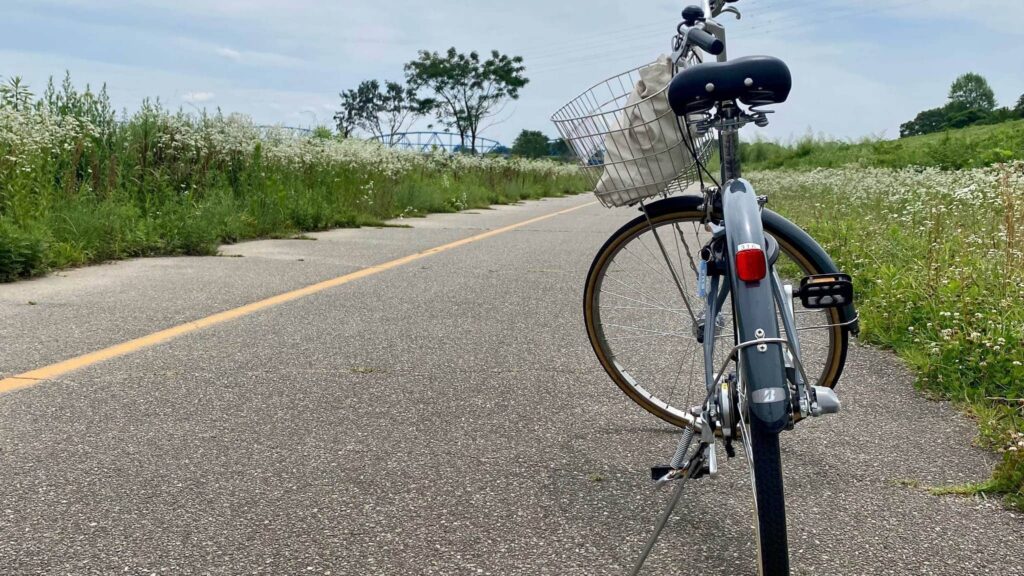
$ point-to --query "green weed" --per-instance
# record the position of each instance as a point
(79, 186)
(938, 261)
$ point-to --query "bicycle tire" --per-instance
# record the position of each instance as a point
(769, 503)
(687, 209)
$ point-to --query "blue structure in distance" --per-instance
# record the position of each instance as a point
(425, 142)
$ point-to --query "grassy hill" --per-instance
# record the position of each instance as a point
(930, 229)
(972, 147)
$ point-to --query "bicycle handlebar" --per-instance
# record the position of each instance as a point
(706, 42)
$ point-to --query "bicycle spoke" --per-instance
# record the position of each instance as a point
(678, 310)
(642, 326)
(637, 290)
(676, 335)
(637, 328)
(603, 291)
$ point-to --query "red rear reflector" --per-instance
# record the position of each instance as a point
(751, 265)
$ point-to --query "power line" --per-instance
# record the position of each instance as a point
(793, 25)
(588, 38)
(743, 34)
(651, 40)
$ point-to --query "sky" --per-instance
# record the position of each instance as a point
(860, 67)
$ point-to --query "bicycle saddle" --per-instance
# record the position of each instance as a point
(753, 80)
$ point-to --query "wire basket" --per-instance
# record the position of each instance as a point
(628, 140)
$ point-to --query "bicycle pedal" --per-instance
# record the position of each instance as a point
(826, 291)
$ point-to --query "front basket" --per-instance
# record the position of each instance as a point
(627, 139)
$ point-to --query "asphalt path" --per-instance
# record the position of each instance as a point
(442, 416)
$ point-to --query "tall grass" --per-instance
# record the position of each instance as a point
(938, 261)
(78, 184)
(972, 147)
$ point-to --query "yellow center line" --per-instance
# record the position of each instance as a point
(38, 375)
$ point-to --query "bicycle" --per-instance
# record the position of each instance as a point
(712, 288)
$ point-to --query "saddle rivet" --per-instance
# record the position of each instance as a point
(748, 82)
(710, 87)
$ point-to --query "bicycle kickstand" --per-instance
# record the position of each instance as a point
(692, 469)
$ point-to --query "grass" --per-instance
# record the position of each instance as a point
(938, 261)
(79, 185)
(972, 147)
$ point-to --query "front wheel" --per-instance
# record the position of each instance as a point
(643, 313)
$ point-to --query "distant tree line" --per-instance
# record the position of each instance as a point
(535, 144)
(971, 102)
(461, 91)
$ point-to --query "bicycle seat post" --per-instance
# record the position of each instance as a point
(729, 140)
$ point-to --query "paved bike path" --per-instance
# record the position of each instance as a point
(441, 417)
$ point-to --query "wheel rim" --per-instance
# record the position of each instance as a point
(642, 329)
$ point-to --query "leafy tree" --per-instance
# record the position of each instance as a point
(462, 90)
(531, 144)
(999, 115)
(963, 118)
(383, 111)
(926, 122)
(1019, 108)
(561, 149)
(354, 107)
(971, 102)
(345, 119)
(972, 92)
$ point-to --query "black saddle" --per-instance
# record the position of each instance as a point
(753, 80)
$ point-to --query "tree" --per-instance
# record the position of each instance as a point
(971, 102)
(999, 115)
(347, 118)
(962, 118)
(462, 91)
(972, 92)
(1019, 108)
(561, 149)
(531, 144)
(926, 122)
(381, 111)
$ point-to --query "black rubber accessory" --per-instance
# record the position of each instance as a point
(706, 42)
(692, 15)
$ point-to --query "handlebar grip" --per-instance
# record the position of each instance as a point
(707, 42)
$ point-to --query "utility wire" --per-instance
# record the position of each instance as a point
(639, 50)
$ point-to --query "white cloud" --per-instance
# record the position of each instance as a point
(253, 58)
(198, 97)
(244, 57)
(228, 53)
